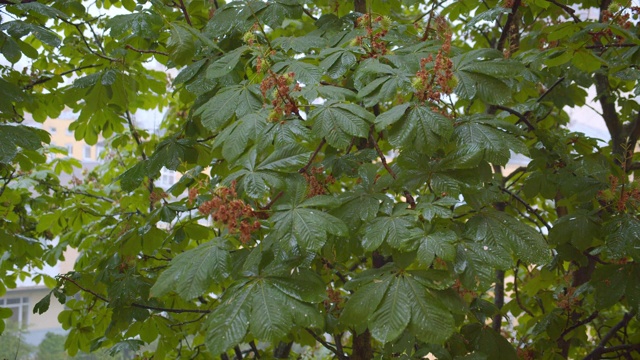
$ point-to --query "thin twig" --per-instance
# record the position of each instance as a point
(140, 306)
(184, 11)
(309, 14)
(7, 181)
(254, 348)
(550, 89)
(382, 158)
(527, 206)
(128, 46)
(607, 46)
(507, 25)
(322, 341)
(515, 290)
(410, 200)
(189, 321)
(65, 190)
(46, 78)
(273, 200)
(313, 156)
(584, 321)
(567, 9)
(600, 349)
(86, 43)
(521, 117)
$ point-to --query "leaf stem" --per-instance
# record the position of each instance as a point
(527, 206)
(313, 156)
(140, 306)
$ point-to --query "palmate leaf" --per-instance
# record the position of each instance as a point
(240, 100)
(12, 137)
(306, 73)
(298, 222)
(337, 61)
(192, 272)
(256, 179)
(393, 314)
(270, 320)
(396, 230)
(431, 322)
(228, 323)
(226, 63)
(479, 74)
(494, 229)
(440, 243)
(181, 45)
(415, 126)
(482, 134)
(269, 307)
(388, 302)
(339, 122)
(236, 137)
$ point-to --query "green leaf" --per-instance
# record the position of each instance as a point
(306, 227)
(395, 230)
(192, 272)
(441, 243)
(226, 63)
(359, 307)
(498, 229)
(270, 320)
(181, 45)
(430, 321)
(338, 122)
(12, 137)
(303, 285)
(479, 134)
(228, 323)
(239, 100)
(337, 61)
(393, 315)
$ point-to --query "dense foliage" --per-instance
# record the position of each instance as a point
(343, 182)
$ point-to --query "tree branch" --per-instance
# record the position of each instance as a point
(595, 354)
(585, 321)
(44, 79)
(65, 190)
(515, 290)
(567, 9)
(184, 11)
(313, 156)
(140, 306)
(381, 155)
(507, 25)
(324, 343)
(527, 206)
(550, 89)
(86, 43)
(128, 46)
(523, 118)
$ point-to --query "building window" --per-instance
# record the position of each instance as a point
(20, 308)
(99, 151)
(52, 130)
(87, 152)
(69, 149)
(167, 177)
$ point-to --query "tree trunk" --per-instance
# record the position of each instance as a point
(282, 350)
(362, 349)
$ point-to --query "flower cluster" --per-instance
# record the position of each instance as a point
(316, 182)
(431, 83)
(334, 297)
(377, 46)
(283, 103)
(225, 208)
(623, 196)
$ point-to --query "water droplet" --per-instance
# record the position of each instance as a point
(485, 247)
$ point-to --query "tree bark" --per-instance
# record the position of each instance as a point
(282, 350)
